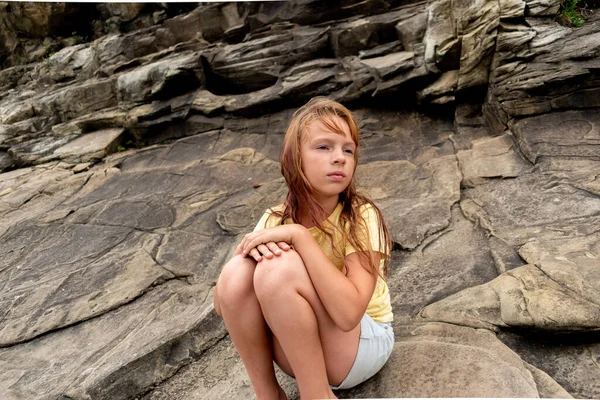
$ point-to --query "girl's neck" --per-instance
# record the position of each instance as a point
(328, 207)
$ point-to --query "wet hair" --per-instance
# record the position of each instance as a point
(300, 200)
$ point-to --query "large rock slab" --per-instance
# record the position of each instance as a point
(169, 77)
(478, 28)
(415, 199)
(257, 64)
(577, 172)
(220, 373)
(78, 99)
(106, 119)
(454, 259)
(475, 364)
(573, 263)
(532, 206)
(524, 78)
(490, 158)
(117, 355)
(571, 360)
(441, 360)
(356, 35)
(27, 194)
(567, 133)
(227, 207)
(558, 293)
(90, 147)
(93, 269)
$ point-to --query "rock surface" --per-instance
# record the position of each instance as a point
(136, 151)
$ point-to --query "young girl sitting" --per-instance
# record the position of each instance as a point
(306, 288)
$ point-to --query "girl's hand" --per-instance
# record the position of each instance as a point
(264, 242)
(268, 250)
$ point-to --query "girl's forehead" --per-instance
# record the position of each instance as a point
(333, 124)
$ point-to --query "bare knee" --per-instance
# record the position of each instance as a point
(278, 276)
(235, 283)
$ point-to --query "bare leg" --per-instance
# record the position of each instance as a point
(316, 350)
(236, 302)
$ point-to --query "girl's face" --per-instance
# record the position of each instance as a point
(327, 159)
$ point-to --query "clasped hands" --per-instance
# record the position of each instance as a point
(269, 242)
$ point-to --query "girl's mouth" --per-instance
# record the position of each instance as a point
(338, 176)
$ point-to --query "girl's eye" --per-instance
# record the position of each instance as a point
(322, 147)
(349, 151)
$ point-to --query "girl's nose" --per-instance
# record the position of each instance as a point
(338, 158)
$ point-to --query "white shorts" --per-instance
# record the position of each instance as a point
(374, 349)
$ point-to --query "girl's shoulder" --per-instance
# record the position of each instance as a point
(271, 217)
(276, 209)
(366, 210)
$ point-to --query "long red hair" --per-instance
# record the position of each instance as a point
(300, 200)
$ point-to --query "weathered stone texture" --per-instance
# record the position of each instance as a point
(135, 153)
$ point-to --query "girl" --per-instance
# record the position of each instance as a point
(306, 288)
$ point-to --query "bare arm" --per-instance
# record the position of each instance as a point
(345, 297)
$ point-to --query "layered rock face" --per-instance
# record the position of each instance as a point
(135, 161)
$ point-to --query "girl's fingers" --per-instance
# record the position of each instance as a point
(256, 255)
(274, 247)
(284, 246)
(238, 249)
(244, 245)
(264, 250)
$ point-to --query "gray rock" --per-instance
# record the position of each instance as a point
(416, 200)
(441, 91)
(440, 37)
(219, 373)
(567, 133)
(524, 78)
(151, 81)
(546, 386)
(90, 147)
(445, 263)
(114, 49)
(94, 269)
(477, 46)
(12, 113)
(119, 354)
(104, 119)
(77, 100)
(33, 151)
(570, 360)
(542, 7)
(512, 8)
(6, 161)
(73, 62)
(555, 294)
(125, 11)
(474, 364)
(577, 172)
(256, 64)
(391, 64)
(107, 270)
(572, 263)
(349, 38)
(490, 158)
(531, 207)
(412, 30)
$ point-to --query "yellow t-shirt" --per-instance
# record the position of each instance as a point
(379, 308)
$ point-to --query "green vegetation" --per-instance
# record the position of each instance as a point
(79, 39)
(570, 13)
(128, 145)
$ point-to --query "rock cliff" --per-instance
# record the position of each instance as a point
(138, 143)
